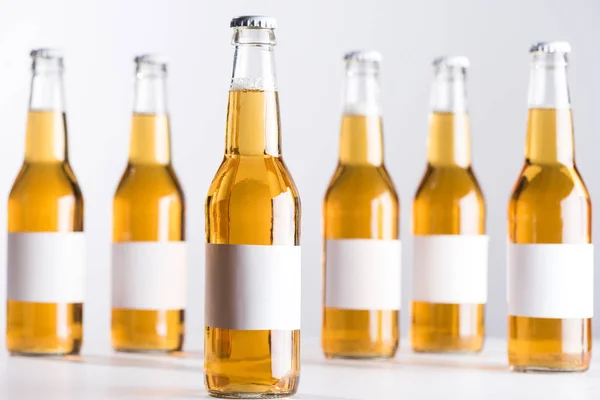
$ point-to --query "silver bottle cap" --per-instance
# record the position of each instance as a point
(551, 47)
(253, 21)
(452, 61)
(48, 54)
(153, 59)
(363, 55)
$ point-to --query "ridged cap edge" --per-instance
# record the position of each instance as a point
(363, 55)
(253, 21)
(47, 53)
(452, 61)
(551, 47)
(150, 58)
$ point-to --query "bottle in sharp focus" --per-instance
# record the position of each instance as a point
(450, 247)
(550, 252)
(252, 307)
(46, 243)
(148, 252)
(361, 216)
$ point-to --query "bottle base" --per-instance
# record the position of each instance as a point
(146, 351)
(449, 344)
(549, 362)
(246, 395)
(14, 353)
(73, 349)
(372, 357)
(539, 369)
(285, 387)
(435, 350)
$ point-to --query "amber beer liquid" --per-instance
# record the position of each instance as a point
(550, 255)
(450, 255)
(252, 315)
(46, 244)
(148, 254)
(361, 241)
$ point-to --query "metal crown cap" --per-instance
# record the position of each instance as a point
(253, 21)
(154, 59)
(363, 55)
(452, 61)
(46, 53)
(551, 47)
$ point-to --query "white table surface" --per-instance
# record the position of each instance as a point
(107, 375)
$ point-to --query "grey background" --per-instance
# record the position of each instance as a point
(101, 38)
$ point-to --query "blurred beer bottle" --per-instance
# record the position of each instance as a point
(46, 243)
(148, 254)
(450, 248)
(360, 215)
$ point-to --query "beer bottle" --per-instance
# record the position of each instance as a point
(550, 255)
(252, 307)
(148, 252)
(360, 214)
(450, 248)
(46, 243)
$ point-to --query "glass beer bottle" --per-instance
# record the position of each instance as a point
(46, 243)
(450, 248)
(550, 255)
(360, 215)
(148, 253)
(252, 307)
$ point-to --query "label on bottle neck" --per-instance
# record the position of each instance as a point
(550, 280)
(46, 267)
(363, 274)
(450, 269)
(149, 275)
(251, 287)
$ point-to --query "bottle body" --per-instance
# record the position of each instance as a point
(46, 244)
(360, 214)
(450, 245)
(550, 267)
(550, 205)
(448, 202)
(252, 201)
(45, 206)
(148, 245)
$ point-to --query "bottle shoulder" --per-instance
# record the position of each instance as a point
(45, 182)
(264, 177)
(550, 204)
(359, 184)
(549, 183)
(448, 184)
(149, 183)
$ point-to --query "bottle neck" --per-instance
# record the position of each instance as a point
(550, 124)
(46, 137)
(449, 142)
(361, 138)
(150, 142)
(253, 126)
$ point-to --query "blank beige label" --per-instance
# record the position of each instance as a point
(251, 287)
(149, 275)
(46, 267)
(363, 274)
(450, 269)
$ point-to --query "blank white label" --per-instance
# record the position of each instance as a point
(149, 275)
(46, 267)
(363, 274)
(551, 280)
(251, 287)
(450, 269)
